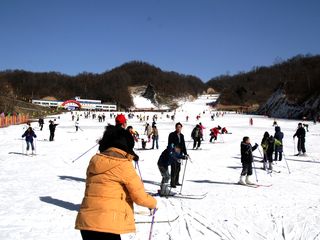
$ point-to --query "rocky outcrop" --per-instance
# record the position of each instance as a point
(150, 93)
(278, 106)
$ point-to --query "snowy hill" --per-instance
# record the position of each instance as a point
(40, 195)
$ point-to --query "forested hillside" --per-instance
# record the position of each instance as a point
(110, 86)
(299, 77)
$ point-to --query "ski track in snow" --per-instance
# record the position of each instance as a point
(41, 194)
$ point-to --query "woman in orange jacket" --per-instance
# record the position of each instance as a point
(112, 185)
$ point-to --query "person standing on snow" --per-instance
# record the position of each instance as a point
(41, 122)
(174, 139)
(155, 137)
(301, 134)
(52, 129)
(264, 145)
(246, 160)
(279, 145)
(29, 135)
(112, 186)
(196, 136)
(76, 124)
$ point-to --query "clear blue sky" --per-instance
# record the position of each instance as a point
(204, 38)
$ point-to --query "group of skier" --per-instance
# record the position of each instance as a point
(271, 144)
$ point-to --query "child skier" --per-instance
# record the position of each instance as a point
(29, 135)
(168, 157)
(246, 160)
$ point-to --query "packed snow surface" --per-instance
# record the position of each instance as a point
(40, 195)
(142, 102)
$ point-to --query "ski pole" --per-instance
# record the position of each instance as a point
(285, 158)
(84, 153)
(222, 138)
(22, 146)
(294, 146)
(255, 171)
(184, 173)
(152, 223)
(137, 165)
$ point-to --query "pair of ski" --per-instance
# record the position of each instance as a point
(256, 185)
(179, 195)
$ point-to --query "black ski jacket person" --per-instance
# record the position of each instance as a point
(246, 152)
(279, 136)
(175, 139)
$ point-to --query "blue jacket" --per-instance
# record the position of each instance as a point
(168, 157)
(29, 135)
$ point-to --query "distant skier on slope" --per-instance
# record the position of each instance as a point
(29, 135)
(196, 135)
(112, 185)
(246, 160)
(214, 133)
(301, 135)
(52, 129)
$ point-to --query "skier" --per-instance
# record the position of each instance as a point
(143, 143)
(29, 135)
(174, 139)
(41, 122)
(251, 121)
(168, 157)
(76, 125)
(147, 131)
(196, 136)
(201, 130)
(112, 185)
(214, 133)
(246, 160)
(155, 137)
(134, 133)
(279, 145)
(224, 130)
(269, 152)
(52, 128)
(301, 134)
(264, 145)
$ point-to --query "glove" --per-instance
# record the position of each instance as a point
(256, 145)
(135, 157)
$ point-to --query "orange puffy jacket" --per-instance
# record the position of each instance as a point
(112, 186)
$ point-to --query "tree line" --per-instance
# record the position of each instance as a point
(299, 77)
(109, 86)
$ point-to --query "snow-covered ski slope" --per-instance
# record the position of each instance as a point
(40, 195)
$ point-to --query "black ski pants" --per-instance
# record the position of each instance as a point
(175, 172)
(246, 169)
(51, 136)
(196, 142)
(301, 145)
(92, 235)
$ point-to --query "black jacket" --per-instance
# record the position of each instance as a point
(300, 133)
(174, 139)
(246, 152)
